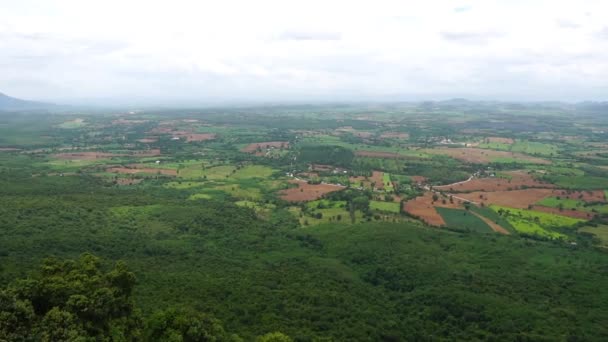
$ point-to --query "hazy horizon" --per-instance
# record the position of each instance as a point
(192, 53)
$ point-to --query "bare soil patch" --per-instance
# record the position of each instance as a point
(255, 147)
(482, 156)
(520, 199)
(517, 180)
(418, 179)
(376, 178)
(423, 208)
(162, 130)
(307, 192)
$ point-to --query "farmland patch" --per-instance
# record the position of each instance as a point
(307, 192)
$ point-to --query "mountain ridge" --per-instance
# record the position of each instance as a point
(9, 103)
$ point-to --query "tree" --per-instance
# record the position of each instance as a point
(358, 203)
(180, 324)
(71, 300)
(274, 337)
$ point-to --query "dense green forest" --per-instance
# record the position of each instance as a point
(368, 281)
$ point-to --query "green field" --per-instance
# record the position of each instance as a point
(386, 180)
(335, 215)
(200, 196)
(600, 232)
(72, 124)
(493, 216)
(580, 182)
(392, 207)
(536, 222)
(457, 218)
(495, 146)
(535, 148)
(523, 146)
(323, 203)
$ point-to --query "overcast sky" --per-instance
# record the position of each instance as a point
(194, 51)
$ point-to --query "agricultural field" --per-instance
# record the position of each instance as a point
(384, 206)
(463, 219)
(223, 209)
(536, 222)
(600, 232)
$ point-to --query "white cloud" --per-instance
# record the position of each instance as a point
(306, 50)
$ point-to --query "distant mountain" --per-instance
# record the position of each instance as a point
(8, 103)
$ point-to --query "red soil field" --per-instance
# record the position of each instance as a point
(481, 156)
(252, 148)
(307, 192)
(423, 208)
(376, 177)
(161, 130)
(518, 180)
(418, 179)
(130, 171)
(515, 199)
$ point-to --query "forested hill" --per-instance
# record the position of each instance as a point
(215, 226)
(231, 273)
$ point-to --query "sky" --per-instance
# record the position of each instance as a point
(181, 51)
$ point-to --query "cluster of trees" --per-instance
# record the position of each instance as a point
(321, 154)
(76, 300)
